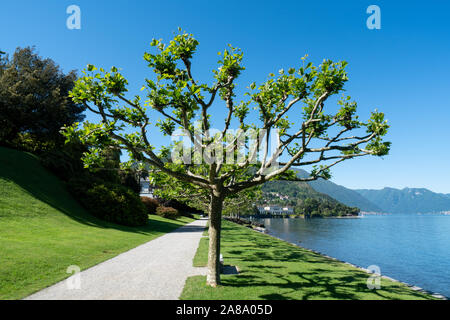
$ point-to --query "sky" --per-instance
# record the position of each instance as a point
(401, 69)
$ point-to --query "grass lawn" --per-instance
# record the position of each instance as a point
(43, 230)
(274, 269)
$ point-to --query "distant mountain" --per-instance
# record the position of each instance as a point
(408, 200)
(346, 196)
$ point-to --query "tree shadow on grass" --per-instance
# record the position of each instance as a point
(314, 284)
(190, 229)
(276, 270)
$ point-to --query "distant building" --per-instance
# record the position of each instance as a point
(275, 210)
(147, 189)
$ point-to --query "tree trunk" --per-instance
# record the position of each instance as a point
(215, 224)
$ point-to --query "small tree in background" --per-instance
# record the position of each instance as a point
(242, 203)
(315, 135)
(234, 205)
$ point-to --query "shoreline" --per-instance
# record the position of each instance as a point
(412, 287)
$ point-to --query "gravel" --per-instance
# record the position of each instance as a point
(156, 270)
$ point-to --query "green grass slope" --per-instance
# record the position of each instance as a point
(271, 269)
(43, 230)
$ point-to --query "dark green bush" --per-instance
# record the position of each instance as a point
(130, 180)
(187, 214)
(184, 209)
(31, 143)
(167, 212)
(64, 162)
(110, 202)
(151, 204)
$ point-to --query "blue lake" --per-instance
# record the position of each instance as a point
(411, 248)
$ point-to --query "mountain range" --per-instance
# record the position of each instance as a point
(387, 200)
(407, 200)
(346, 196)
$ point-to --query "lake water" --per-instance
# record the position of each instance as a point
(411, 248)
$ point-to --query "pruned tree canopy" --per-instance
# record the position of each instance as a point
(213, 161)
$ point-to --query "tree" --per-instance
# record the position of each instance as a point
(3, 61)
(34, 97)
(316, 137)
(234, 205)
(242, 203)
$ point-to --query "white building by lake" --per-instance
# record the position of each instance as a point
(275, 210)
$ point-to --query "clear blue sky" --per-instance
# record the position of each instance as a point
(402, 69)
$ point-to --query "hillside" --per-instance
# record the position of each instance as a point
(408, 200)
(348, 197)
(295, 191)
(389, 200)
(304, 199)
(43, 230)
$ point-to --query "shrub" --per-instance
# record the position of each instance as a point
(110, 202)
(187, 214)
(167, 212)
(31, 143)
(129, 179)
(65, 162)
(151, 204)
(183, 208)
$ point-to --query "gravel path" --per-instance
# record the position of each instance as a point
(156, 270)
